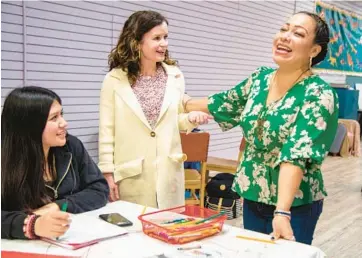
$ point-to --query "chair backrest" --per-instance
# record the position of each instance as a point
(195, 146)
(242, 144)
(338, 139)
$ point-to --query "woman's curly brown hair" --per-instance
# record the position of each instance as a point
(126, 54)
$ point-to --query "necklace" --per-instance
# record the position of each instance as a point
(262, 115)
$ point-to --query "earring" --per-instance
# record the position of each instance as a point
(139, 54)
(310, 62)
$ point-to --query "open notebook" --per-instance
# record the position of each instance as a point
(85, 230)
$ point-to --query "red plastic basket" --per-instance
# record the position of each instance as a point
(203, 223)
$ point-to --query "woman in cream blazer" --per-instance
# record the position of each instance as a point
(146, 162)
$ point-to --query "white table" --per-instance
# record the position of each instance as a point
(136, 244)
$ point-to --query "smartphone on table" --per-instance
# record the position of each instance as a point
(116, 219)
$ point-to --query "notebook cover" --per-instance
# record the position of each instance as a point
(78, 245)
(71, 246)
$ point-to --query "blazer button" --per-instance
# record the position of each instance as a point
(153, 134)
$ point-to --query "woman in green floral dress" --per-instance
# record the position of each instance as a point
(289, 118)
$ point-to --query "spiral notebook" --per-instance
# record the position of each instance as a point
(85, 230)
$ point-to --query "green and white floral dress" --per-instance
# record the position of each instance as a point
(299, 128)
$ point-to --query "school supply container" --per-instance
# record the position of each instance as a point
(182, 224)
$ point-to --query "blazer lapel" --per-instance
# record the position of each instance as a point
(172, 76)
(126, 93)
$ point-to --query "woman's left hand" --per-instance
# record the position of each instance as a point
(199, 117)
(282, 228)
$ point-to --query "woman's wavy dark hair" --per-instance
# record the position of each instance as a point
(321, 36)
(126, 54)
(23, 119)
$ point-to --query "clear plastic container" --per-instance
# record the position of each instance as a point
(182, 224)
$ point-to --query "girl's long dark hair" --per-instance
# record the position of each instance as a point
(23, 119)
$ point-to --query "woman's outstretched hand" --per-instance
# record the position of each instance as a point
(199, 117)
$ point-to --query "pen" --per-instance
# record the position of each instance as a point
(189, 247)
(197, 252)
(256, 239)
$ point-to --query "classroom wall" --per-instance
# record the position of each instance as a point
(64, 46)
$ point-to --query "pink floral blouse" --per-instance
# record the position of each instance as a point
(150, 91)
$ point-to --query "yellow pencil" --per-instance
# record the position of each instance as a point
(144, 209)
(257, 239)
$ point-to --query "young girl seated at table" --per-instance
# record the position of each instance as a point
(45, 172)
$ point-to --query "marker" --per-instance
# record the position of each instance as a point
(64, 206)
(177, 221)
(210, 218)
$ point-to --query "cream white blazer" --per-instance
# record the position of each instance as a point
(147, 164)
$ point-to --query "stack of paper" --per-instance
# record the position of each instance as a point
(85, 230)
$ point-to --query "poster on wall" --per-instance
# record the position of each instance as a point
(345, 47)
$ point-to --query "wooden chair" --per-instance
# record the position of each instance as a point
(224, 165)
(196, 148)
